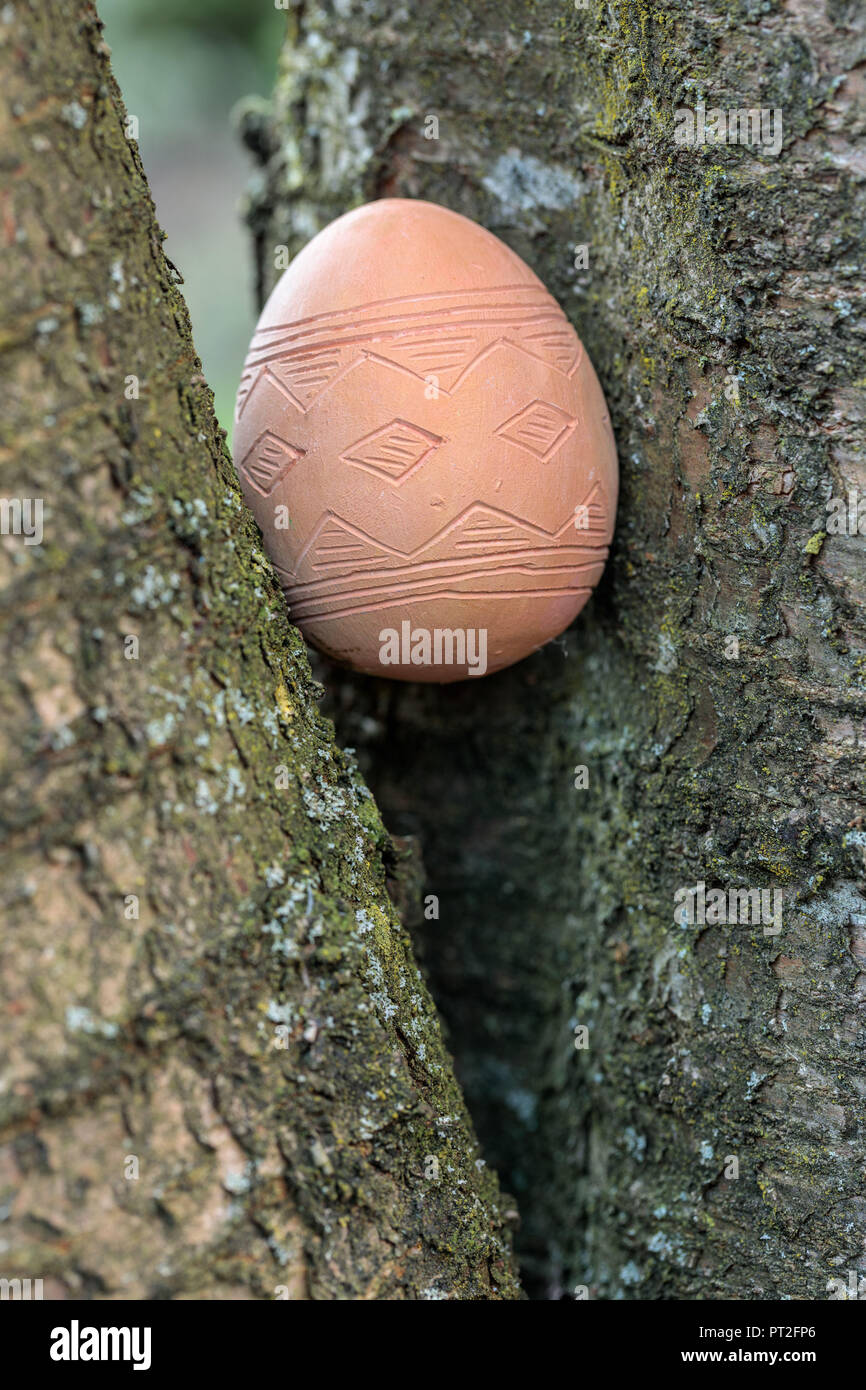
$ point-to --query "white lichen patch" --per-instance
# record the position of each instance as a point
(235, 786)
(523, 183)
(328, 805)
(81, 1020)
(155, 588)
(74, 114)
(240, 704)
(667, 657)
(205, 801)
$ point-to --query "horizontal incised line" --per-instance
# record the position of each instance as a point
(488, 542)
(356, 334)
(413, 584)
(445, 594)
(433, 566)
(466, 566)
(538, 291)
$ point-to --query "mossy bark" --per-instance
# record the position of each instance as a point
(710, 1140)
(223, 1076)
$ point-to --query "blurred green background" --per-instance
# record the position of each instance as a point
(182, 65)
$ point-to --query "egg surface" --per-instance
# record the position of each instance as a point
(425, 446)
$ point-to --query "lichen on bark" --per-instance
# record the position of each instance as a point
(223, 1074)
(714, 689)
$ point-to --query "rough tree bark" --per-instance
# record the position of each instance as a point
(722, 308)
(222, 1075)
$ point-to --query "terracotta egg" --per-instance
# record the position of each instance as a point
(425, 446)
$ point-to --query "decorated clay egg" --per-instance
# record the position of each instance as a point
(425, 446)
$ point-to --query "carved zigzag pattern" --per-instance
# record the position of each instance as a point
(441, 336)
(353, 572)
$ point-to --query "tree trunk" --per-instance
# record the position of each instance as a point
(223, 1076)
(709, 1140)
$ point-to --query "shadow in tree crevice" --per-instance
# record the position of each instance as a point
(480, 775)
